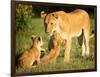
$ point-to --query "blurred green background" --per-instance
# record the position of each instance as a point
(28, 22)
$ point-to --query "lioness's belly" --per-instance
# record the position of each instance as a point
(73, 34)
(76, 34)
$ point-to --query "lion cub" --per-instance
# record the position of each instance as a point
(33, 54)
(54, 48)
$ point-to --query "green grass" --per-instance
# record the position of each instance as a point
(23, 41)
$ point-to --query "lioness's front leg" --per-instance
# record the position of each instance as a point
(67, 50)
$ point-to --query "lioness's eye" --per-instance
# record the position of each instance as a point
(51, 23)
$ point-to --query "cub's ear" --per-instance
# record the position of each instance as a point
(55, 15)
(43, 14)
(33, 36)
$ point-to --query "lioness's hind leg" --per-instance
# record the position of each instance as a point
(86, 34)
(83, 48)
(86, 28)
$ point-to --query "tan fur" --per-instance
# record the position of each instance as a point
(32, 54)
(68, 25)
(54, 49)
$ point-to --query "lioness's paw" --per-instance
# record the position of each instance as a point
(87, 53)
(66, 60)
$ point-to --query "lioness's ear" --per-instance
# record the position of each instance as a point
(43, 14)
(55, 15)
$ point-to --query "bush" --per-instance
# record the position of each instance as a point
(23, 16)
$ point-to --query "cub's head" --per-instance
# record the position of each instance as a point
(56, 38)
(37, 40)
(50, 22)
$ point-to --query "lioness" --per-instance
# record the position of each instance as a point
(54, 48)
(32, 54)
(68, 25)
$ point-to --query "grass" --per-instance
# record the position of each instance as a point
(23, 41)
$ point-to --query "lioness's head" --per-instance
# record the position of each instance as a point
(50, 22)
